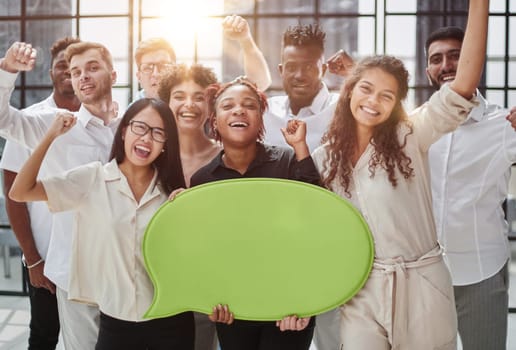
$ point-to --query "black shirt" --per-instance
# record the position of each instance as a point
(270, 161)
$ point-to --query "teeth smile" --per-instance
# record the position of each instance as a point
(238, 124)
(369, 110)
(187, 115)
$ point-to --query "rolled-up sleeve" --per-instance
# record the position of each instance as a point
(443, 113)
(67, 191)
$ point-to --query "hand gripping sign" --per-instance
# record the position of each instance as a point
(268, 248)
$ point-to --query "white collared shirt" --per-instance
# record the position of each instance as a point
(107, 266)
(317, 117)
(470, 177)
(89, 140)
(13, 158)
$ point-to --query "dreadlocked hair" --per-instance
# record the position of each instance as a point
(304, 35)
(341, 136)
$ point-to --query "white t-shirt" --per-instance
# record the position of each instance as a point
(317, 117)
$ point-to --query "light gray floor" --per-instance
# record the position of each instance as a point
(14, 318)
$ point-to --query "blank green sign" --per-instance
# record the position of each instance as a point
(266, 247)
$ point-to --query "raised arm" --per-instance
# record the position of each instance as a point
(255, 65)
(473, 52)
(26, 188)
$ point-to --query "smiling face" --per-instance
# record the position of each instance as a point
(238, 118)
(302, 69)
(92, 77)
(60, 76)
(142, 150)
(373, 98)
(443, 59)
(188, 103)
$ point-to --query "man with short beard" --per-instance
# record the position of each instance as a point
(31, 223)
(470, 170)
(92, 76)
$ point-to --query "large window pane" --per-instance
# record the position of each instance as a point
(401, 36)
(496, 37)
(403, 6)
(103, 7)
(35, 96)
(49, 7)
(286, 6)
(495, 97)
(495, 73)
(42, 34)
(101, 30)
(10, 7)
(9, 33)
(349, 6)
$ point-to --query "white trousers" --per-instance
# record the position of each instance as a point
(79, 322)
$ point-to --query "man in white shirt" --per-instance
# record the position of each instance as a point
(31, 223)
(302, 69)
(470, 170)
(92, 76)
(152, 56)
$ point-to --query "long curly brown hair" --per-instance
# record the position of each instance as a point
(342, 133)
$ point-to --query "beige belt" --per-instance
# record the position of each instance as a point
(397, 266)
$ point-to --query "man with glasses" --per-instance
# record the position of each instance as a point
(152, 56)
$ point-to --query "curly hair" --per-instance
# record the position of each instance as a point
(304, 35)
(341, 136)
(201, 75)
(60, 45)
(214, 91)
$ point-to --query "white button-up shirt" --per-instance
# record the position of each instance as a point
(400, 218)
(89, 140)
(317, 117)
(470, 176)
(107, 266)
(13, 158)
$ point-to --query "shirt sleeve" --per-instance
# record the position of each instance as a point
(26, 128)
(305, 171)
(14, 156)
(443, 113)
(67, 191)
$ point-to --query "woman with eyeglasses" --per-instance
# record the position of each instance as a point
(113, 204)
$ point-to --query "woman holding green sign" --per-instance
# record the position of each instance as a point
(113, 204)
(236, 111)
(376, 156)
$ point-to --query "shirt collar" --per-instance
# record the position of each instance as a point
(85, 117)
(113, 173)
(479, 111)
(318, 103)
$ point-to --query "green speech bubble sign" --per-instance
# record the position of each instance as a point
(266, 247)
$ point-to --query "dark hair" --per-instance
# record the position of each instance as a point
(443, 34)
(214, 91)
(168, 163)
(304, 35)
(201, 75)
(151, 45)
(61, 44)
(342, 132)
(83, 46)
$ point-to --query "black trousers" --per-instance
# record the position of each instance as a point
(168, 333)
(252, 335)
(44, 317)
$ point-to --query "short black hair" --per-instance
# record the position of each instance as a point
(444, 33)
(304, 35)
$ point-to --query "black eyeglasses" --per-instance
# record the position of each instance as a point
(148, 68)
(141, 128)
